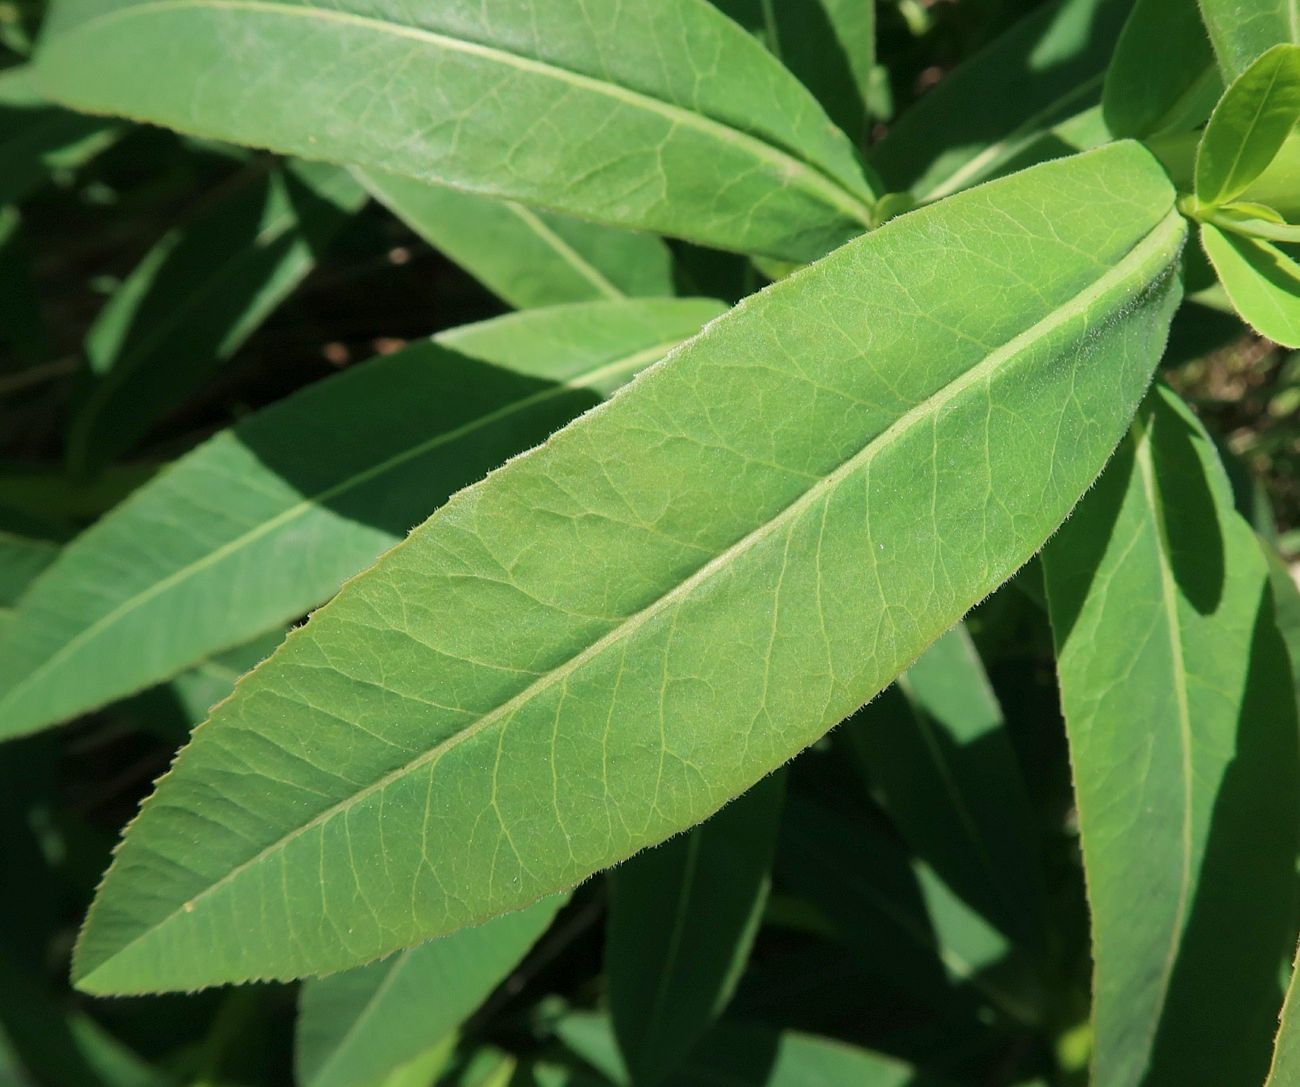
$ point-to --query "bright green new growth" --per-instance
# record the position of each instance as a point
(311, 491)
(1180, 709)
(664, 116)
(750, 541)
(1260, 279)
(1249, 125)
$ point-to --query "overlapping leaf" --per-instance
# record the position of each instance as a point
(1178, 700)
(1262, 281)
(1163, 75)
(666, 116)
(264, 521)
(937, 753)
(358, 1027)
(526, 257)
(682, 920)
(1004, 101)
(1243, 29)
(665, 601)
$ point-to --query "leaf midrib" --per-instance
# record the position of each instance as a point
(565, 251)
(630, 362)
(826, 188)
(1141, 437)
(1135, 259)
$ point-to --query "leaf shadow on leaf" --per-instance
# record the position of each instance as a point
(1227, 978)
(1188, 507)
(394, 472)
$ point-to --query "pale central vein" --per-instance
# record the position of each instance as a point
(815, 180)
(1169, 601)
(1143, 263)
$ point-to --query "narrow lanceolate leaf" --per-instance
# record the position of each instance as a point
(37, 138)
(526, 257)
(1285, 1069)
(22, 557)
(1003, 100)
(1163, 74)
(571, 661)
(1249, 125)
(198, 295)
(1262, 282)
(357, 1027)
(682, 920)
(312, 490)
(938, 755)
(666, 117)
(1243, 29)
(1177, 697)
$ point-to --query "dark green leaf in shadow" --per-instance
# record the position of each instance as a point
(682, 919)
(198, 295)
(1178, 701)
(1047, 67)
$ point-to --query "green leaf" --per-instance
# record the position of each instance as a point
(1262, 282)
(1047, 67)
(424, 1069)
(682, 920)
(1177, 697)
(1278, 187)
(939, 757)
(665, 117)
(895, 913)
(744, 1054)
(526, 257)
(1241, 31)
(198, 295)
(1285, 1069)
(22, 557)
(830, 45)
(311, 491)
(1249, 125)
(37, 139)
(729, 548)
(1162, 75)
(357, 1027)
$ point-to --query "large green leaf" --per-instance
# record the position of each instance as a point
(938, 754)
(198, 294)
(1243, 29)
(1003, 101)
(312, 490)
(682, 920)
(357, 1027)
(1177, 696)
(663, 116)
(1260, 279)
(526, 257)
(1249, 126)
(606, 640)
(1163, 74)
